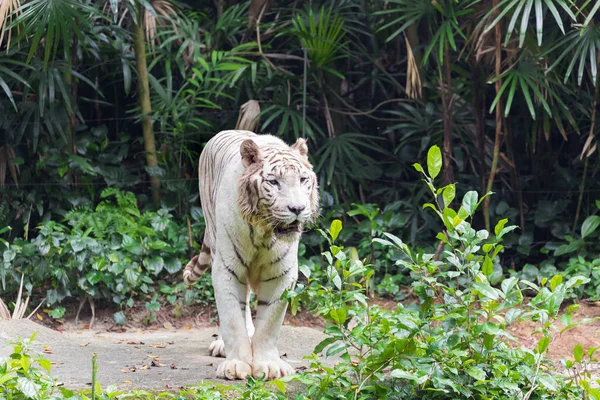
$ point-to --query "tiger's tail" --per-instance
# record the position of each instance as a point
(197, 265)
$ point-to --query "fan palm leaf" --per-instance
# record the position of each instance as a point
(52, 25)
(522, 9)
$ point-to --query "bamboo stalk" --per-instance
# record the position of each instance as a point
(146, 106)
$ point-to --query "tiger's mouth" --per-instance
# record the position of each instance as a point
(288, 229)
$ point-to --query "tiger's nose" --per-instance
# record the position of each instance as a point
(296, 209)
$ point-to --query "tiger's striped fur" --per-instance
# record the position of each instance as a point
(256, 193)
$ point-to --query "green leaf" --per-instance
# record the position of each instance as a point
(578, 352)
(324, 343)
(488, 266)
(335, 228)
(548, 382)
(500, 226)
(543, 344)
(172, 265)
(119, 318)
(555, 281)
(576, 281)
(338, 315)
(419, 168)
(337, 281)
(305, 270)
(28, 387)
(590, 225)
(486, 290)
(155, 265)
(512, 315)
(434, 161)
(336, 348)
(477, 373)
(279, 384)
(402, 374)
(58, 312)
(449, 194)
(469, 203)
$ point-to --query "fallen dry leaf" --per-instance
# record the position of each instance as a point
(187, 327)
(39, 316)
(128, 382)
(144, 367)
(124, 371)
(152, 356)
(168, 325)
(84, 344)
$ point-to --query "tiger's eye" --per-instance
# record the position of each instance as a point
(303, 180)
(273, 182)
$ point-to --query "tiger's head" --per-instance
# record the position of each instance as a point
(278, 189)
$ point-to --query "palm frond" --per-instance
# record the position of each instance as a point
(53, 23)
(8, 10)
(582, 46)
(321, 35)
(521, 9)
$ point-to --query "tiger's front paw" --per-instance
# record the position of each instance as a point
(272, 369)
(217, 348)
(233, 369)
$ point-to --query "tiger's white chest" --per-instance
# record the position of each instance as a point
(264, 256)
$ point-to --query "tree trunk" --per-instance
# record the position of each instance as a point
(448, 156)
(144, 100)
(498, 137)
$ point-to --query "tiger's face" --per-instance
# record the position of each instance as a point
(278, 189)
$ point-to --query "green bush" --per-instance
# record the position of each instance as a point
(20, 378)
(454, 342)
(112, 251)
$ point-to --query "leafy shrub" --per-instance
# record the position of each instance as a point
(112, 251)
(454, 342)
(19, 376)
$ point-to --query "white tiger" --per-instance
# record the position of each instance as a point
(256, 194)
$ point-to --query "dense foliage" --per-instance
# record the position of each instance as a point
(106, 105)
(382, 81)
(453, 343)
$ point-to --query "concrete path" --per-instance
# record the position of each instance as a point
(151, 360)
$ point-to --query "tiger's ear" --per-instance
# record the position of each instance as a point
(301, 147)
(250, 152)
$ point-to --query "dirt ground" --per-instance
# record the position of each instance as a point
(588, 335)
